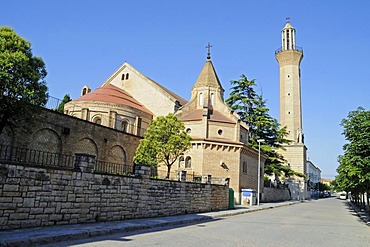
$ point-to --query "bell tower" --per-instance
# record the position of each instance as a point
(289, 57)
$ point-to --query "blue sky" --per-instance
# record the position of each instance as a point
(85, 41)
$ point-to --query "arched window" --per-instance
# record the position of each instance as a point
(127, 75)
(181, 161)
(212, 98)
(123, 77)
(245, 167)
(84, 91)
(125, 127)
(188, 162)
(97, 120)
(200, 99)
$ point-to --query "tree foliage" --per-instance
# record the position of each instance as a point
(252, 110)
(164, 141)
(354, 165)
(22, 83)
(65, 100)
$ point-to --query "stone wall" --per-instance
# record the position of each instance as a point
(43, 196)
(275, 195)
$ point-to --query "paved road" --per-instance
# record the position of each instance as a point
(326, 222)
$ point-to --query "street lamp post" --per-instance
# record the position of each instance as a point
(259, 170)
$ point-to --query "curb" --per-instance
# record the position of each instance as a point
(361, 214)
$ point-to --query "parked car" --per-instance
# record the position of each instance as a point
(342, 196)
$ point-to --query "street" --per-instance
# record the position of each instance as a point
(324, 222)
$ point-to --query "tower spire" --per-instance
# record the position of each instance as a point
(209, 46)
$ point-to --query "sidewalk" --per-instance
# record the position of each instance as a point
(47, 235)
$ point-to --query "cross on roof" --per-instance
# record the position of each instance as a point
(288, 19)
(209, 46)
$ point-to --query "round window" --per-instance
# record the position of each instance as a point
(219, 131)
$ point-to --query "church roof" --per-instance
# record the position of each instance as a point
(214, 116)
(112, 94)
(208, 76)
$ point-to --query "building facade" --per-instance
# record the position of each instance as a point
(314, 178)
(219, 138)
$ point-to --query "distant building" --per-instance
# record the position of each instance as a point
(314, 178)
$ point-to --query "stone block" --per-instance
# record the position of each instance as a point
(55, 217)
(28, 202)
(30, 223)
(6, 199)
(49, 210)
(18, 216)
(10, 187)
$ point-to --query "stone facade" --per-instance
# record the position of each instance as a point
(45, 196)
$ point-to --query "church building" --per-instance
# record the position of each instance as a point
(219, 137)
(128, 101)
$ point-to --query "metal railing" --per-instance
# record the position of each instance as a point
(296, 48)
(174, 175)
(27, 156)
(35, 157)
(52, 103)
(114, 168)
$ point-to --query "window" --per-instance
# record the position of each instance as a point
(123, 77)
(212, 99)
(125, 126)
(127, 75)
(219, 132)
(188, 131)
(181, 161)
(245, 167)
(84, 91)
(200, 99)
(97, 120)
(188, 162)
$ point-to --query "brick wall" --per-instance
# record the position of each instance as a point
(44, 196)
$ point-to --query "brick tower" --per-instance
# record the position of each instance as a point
(289, 57)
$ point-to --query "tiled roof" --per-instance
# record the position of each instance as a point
(208, 76)
(112, 94)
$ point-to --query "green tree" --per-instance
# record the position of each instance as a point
(22, 83)
(65, 100)
(252, 110)
(164, 141)
(354, 164)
